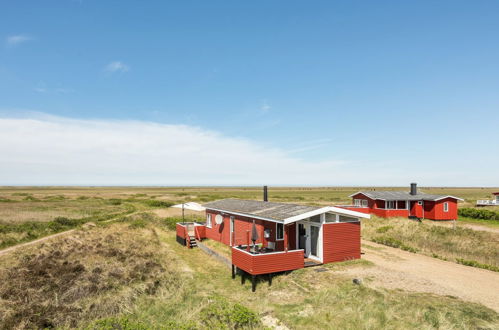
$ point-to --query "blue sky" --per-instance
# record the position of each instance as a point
(335, 92)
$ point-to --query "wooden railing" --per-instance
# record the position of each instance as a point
(266, 263)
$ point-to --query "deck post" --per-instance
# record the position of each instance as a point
(233, 272)
(243, 277)
(253, 283)
(270, 279)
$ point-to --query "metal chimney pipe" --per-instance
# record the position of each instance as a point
(265, 194)
(414, 188)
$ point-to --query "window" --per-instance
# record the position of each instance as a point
(357, 202)
(344, 218)
(390, 204)
(279, 231)
(364, 203)
(208, 220)
(446, 207)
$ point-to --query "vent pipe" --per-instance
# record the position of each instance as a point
(414, 188)
(265, 194)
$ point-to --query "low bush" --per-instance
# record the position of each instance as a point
(5, 200)
(156, 203)
(115, 201)
(220, 314)
(478, 213)
(31, 198)
(476, 264)
(384, 229)
(390, 241)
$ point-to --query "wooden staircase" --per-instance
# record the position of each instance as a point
(192, 242)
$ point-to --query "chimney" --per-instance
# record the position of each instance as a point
(414, 188)
(265, 194)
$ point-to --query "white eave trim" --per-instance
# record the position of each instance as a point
(449, 196)
(360, 192)
(326, 209)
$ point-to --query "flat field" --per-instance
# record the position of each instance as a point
(121, 267)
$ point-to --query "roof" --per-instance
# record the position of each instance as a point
(278, 212)
(402, 195)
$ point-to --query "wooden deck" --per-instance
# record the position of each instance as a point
(311, 263)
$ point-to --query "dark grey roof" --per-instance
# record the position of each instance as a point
(402, 195)
(267, 210)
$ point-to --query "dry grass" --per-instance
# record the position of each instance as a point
(94, 273)
(436, 241)
(42, 211)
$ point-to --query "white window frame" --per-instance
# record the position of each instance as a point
(393, 205)
(446, 207)
(208, 220)
(365, 203)
(276, 231)
(357, 202)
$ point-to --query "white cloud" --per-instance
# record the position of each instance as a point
(45, 150)
(117, 66)
(52, 150)
(15, 40)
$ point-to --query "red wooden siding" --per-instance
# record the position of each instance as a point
(269, 262)
(370, 202)
(242, 231)
(341, 241)
(200, 232)
(435, 210)
(181, 232)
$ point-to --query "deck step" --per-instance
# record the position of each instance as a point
(193, 242)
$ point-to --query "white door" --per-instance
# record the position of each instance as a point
(307, 240)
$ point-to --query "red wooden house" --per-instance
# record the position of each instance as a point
(405, 204)
(289, 235)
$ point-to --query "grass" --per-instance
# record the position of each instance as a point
(133, 275)
(486, 223)
(476, 247)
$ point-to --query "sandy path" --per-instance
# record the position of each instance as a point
(414, 272)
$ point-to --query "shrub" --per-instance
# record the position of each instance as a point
(115, 201)
(473, 263)
(156, 203)
(390, 241)
(384, 229)
(5, 200)
(478, 213)
(220, 314)
(31, 198)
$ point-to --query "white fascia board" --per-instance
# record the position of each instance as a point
(349, 212)
(358, 192)
(326, 209)
(306, 215)
(449, 196)
(245, 215)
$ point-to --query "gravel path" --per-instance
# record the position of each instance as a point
(395, 268)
